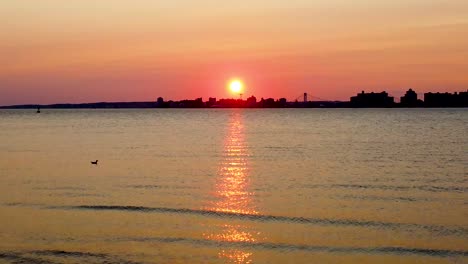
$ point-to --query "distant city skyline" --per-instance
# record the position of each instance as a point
(89, 51)
(361, 100)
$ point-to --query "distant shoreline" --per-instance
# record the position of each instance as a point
(154, 105)
(361, 100)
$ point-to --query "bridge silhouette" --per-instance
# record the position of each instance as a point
(306, 97)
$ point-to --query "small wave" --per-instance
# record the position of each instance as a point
(71, 194)
(20, 258)
(387, 198)
(18, 204)
(440, 230)
(62, 253)
(310, 248)
(57, 256)
(61, 188)
(153, 186)
(144, 186)
(427, 188)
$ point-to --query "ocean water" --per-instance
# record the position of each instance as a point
(234, 186)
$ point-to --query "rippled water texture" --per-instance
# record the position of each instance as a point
(234, 186)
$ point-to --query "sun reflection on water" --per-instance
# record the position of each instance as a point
(232, 193)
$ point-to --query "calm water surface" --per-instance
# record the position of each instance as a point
(234, 186)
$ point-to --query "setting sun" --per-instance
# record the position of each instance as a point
(236, 86)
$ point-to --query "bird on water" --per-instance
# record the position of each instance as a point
(94, 162)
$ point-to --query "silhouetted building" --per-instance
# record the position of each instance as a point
(251, 101)
(282, 102)
(372, 100)
(463, 97)
(173, 104)
(410, 99)
(268, 103)
(160, 102)
(211, 102)
(446, 99)
(197, 103)
(231, 103)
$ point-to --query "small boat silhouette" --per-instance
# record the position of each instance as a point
(94, 162)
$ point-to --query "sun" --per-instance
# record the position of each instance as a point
(236, 86)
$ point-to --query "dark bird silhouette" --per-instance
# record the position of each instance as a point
(94, 162)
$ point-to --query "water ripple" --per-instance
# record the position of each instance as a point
(310, 248)
(36, 257)
(440, 230)
(426, 188)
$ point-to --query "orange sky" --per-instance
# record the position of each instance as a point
(85, 50)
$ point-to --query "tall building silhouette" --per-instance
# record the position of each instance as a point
(410, 99)
(446, 99)
(372, 100)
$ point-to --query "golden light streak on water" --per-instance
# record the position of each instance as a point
(232, 193)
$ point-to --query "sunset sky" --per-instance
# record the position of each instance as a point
(55, 51)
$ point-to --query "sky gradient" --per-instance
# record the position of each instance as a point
(73, 51)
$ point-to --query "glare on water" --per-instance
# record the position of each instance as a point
(232, 191)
